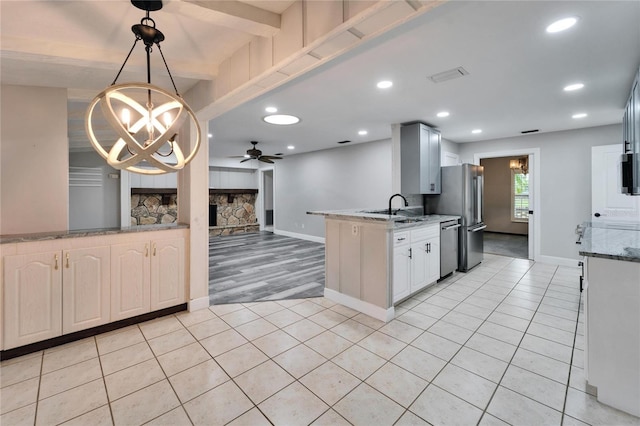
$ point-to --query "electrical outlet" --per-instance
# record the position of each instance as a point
(354, 229)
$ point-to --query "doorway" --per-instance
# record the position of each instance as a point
(266, 214)
(511, 220)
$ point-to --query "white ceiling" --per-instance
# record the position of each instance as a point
(516, 70)
(516, 75)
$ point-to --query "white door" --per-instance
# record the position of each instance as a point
(607, 202)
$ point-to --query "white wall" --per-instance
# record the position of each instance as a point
(565, 180)
(232, 178)
(34, 160)
(348, 177)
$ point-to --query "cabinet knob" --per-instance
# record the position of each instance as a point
(154, 249)
(67, 258)
(146, 250)
(55, 266)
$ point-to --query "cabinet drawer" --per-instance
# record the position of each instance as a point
(400, 238)
(422, 233)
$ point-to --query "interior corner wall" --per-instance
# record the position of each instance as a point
(565, 180)
(34, 160)
(348, 177)
(497, 197)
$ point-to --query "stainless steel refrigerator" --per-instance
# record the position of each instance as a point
(462, 188)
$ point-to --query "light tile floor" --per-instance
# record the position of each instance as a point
(502, 344)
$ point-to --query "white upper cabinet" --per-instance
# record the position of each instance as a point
(419, 159)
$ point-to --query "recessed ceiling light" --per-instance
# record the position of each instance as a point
(562, 24)
(572, 87)
(443, 114)
(362, 132)
(291, 147)
(281, 119)
(385, 84)
(476, 131)
(579, 115)
(209, 135)
(271, 109)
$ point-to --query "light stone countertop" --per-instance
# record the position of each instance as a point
(47, 236)
(610, 240)
(395, 221)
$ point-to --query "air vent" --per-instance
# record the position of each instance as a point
(448, 75)
(341, 142)
(524, 132)
(278, 154)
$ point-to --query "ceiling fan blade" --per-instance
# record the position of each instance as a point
(246, 159)
(271, 157)
(237, 156)
(265, 160)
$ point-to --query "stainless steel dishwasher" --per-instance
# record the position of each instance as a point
(448, 247)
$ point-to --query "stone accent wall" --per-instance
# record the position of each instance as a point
(236, 214)
(147, 209)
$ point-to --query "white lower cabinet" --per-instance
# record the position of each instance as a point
(130, 280)
(146, 276)
(32, 298)
(55, 288)
(167, 273)
(85, 288)
(416, 260)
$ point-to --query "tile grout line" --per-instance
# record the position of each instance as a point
(461, 345)
(575, 336)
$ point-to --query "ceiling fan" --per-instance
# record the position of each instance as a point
(255, 154)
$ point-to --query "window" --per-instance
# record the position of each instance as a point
(519, 196)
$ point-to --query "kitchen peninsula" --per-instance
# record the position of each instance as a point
(612, 312)
(360, 271)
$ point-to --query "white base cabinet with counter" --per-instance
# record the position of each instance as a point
(416, 260)
(612, 331)
(61, 286)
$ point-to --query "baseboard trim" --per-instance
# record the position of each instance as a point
(89, 332)
(560, 261)
(366, 308)
(299, 236)
(199, 303)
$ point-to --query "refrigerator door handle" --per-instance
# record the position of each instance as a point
(479, 228)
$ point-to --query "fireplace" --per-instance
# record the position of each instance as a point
(213, 215)
(232, 211)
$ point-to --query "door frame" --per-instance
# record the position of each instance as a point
(260, 203)
(534, 193)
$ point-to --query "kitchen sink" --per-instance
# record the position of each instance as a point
(409, 220)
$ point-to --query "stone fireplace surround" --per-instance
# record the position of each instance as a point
(235, 214)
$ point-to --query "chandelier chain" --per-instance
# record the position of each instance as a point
(125, 61)
(167, 66)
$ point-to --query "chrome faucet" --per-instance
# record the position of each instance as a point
(406, 203)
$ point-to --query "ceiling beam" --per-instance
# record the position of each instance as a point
(229, 13)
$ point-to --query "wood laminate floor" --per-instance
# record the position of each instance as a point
(264, 266)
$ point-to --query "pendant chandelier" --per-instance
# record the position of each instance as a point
(146, 119)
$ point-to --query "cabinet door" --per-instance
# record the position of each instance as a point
(32, 298)
(85, 286)
(433, 260)
(130, 280)
(167, 273)
(401, 270)
(419, 265)
(434, 180)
